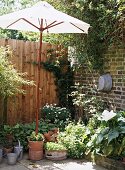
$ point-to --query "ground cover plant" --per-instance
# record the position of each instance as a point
(21, 132)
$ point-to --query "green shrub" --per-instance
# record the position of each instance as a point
(11, 80)
(22, 131)
(59, 116)
(74, 139)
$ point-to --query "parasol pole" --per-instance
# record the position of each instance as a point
(38, 77)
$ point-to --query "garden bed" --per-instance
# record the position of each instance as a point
(105, 162)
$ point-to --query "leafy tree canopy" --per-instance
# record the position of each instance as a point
(106, 17)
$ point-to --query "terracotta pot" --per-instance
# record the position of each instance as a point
(47, 137)
(9, 138)
(35, 150)
(55, 130)
(50, 132)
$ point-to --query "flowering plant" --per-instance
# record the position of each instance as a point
(106, 115)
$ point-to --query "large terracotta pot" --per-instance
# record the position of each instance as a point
(35, 150)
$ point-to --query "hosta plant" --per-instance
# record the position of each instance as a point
(109, 137)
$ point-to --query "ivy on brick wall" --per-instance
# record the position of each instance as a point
(107, 20)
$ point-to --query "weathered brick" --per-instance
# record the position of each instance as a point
(122, 97)
(117, 101)
(120, 68)
(117, 92)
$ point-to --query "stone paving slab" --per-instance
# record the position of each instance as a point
(68, 164)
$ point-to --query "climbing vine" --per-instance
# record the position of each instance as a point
(107, 20)
(58, 64)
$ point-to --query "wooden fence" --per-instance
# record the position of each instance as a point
(22, 108)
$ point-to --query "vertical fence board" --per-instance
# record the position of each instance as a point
(22, 107)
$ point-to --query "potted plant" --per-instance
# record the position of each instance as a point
(8, 132)
(7, 147)
(55, 151)
(35, 146)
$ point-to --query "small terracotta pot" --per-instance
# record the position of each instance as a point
(47, 137)
(56, 130)
(50, 132)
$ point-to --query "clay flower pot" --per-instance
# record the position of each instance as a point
(47, 137)
(35, 150)
(55, 130)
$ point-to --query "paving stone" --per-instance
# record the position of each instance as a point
(68, 164)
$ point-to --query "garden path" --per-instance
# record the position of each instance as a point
(68, 164)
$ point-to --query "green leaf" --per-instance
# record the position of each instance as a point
(99, 138)
(107, 150)
(113, 134)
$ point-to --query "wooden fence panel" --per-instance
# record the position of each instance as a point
(22, 108)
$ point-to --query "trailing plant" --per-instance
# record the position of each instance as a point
(74, 139)
(51, 146)
(108, 138)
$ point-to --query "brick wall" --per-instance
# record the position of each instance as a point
(114, 63)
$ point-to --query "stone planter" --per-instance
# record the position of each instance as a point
(56, 154)
(105, 162)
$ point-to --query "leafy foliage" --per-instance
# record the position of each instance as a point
(36, 137)
(58, 64)
(88, 101)
(107, 27)
(54, 114)
(74, 139)
(51, 146)
(22, 131)
(107, 135)
(10, 80)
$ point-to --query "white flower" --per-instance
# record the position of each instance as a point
(106, 115)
